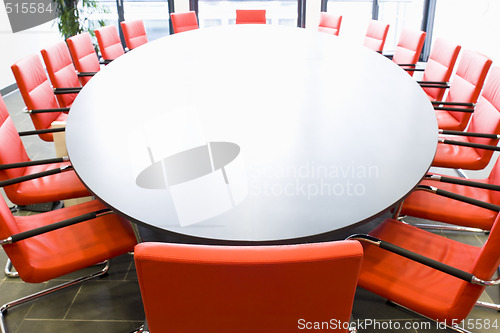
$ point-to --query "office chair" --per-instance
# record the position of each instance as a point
(438, 68)
(435, 276)
(184, 21)
(409, 47)
(201, 288)
(109, 43)
(455, 112)
(38, 96)
(84, 56)
(134, 33)
(473, 148)
(376, 34)
(329, 23)
(52, 244)
(62, 73)
(251, 16)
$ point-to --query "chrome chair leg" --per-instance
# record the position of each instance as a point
(449, 227)
(5, 308)
(488, 305)
(10, 271)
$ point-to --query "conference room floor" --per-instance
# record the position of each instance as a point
(113, 303)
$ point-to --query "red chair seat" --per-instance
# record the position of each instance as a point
(451, 156)
(430, 206)
(66, 250)
(446, 120)
(423, 289)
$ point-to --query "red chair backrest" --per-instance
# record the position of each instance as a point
(440, 66)
(109, 42)
(83, 55)
(62, 72)
(196, 288)
(409, 47)
(36, 91)
(134, 33)
(250, 16)
(12, 149)
(486, 117)
(329, 23)
(376, 34)
(467, 82)
(184, 21)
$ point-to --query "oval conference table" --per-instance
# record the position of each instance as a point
(251, 133)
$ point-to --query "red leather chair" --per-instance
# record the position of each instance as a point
(376, 34)
(62, 73)
(37, 94)
(409, 47)
(251, 16)
(134, 33)
(439, 68)
(84, 56)
(432, 275)
(428, 205)
(109, 43)
(329, 23)
(467, 83)
(41, 254)
(184, 21)
(53, 187)
(253, 288)
(474, 148)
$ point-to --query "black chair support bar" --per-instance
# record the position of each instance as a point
(464, 182)
(470, 134)
(49, 110)
(87, 73)
(469, 144)
(466, 276)
(42, 131)
(30, 163)
(34, 176)
(62, 91)
(54, 226)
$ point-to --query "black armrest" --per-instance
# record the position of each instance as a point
(87, 74)
(21, 179)
(407, 65)
(105, 61)
(54, 226)
(431, 84)
(470, 134)
(464, 182)
(414, 69)
(30, 163)
(42, 131)
(60, 91)
(469, 144)
(453, 103)
(458, 273)
(49, 110)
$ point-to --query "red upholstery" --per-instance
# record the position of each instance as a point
(109, 42)
(59, 252)
(430, 206)
(196, 288)
(422, 289)
(83, 55)
(60, 186)
(465, 87)
(409, 47)
(485, 119)
(184, 21)
(250, 16)
(329, 23)
(62, 72)
(440, 66)
(376, 34)
(134, 33)
(37, 93)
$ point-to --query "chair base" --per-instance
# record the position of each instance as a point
(488, 305)
(7, 306)
(10, 271)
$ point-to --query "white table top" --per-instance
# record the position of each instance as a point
(306, 133)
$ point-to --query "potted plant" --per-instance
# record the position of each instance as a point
(75, 16)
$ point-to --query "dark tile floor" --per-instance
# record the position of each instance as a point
(113, 303)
